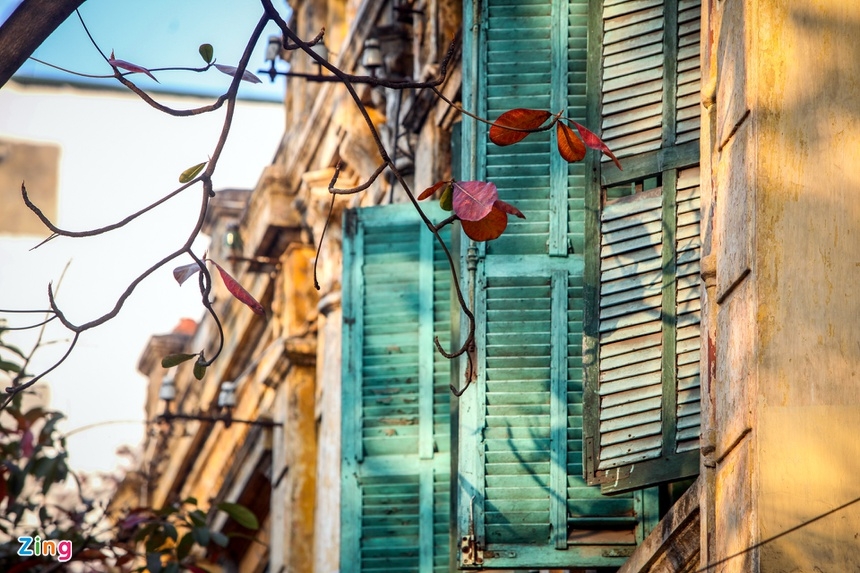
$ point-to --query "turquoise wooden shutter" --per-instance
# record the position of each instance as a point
(522, 500)
(642, 315)
(396, 403)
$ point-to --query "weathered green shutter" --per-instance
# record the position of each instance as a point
(396, 402)
(642, 316)
(522, 499)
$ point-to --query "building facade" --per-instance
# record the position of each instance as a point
(664, 363)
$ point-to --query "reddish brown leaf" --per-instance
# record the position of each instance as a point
(518, 119)
(508, 208)
(473, 200)
(239, 291)
(570, 146)
(430, 190)
(488, 228)
(27, 447)
(4, 489)
(591, 140)
(128, 66)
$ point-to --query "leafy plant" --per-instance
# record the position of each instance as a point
(36, 499)
(476, 204)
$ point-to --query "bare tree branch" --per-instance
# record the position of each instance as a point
(27, 28)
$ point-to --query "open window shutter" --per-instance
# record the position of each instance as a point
(396, 402)
(522, 499)
(642, 316)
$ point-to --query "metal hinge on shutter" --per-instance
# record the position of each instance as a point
(471, 552)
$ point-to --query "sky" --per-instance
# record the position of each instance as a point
(155, 34)
(117, 155)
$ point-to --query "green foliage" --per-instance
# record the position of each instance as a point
(34, 465)
(192, 172)
(206, 52)
(240, 514)
(172, 360)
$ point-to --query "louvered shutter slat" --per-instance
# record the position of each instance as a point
(632, 86)
(396, 423)
(642, 341)
(522, 491)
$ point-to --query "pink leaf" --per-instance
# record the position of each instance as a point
(473, 200)
(185, 272)
(231, 71)
(239, 291)
(591, 140)
(27, 448)
(132, 521)
(134, 68)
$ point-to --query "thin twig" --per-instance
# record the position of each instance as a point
(359, 188)
(57, 231)
(30, 326)
(347, 81)
(13, 390)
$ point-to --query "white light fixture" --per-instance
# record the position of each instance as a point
(371, 57)
(227, 395)
(321, 50)
(168, 389)
(273, 48)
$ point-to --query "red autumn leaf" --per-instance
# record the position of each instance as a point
(239, 291)
(134, 68)
(27, 447)
(591, 140)
(4, 490)
(570, 146)
(508, 208)
(231, 71)
(430, 190)
(473, 200)
(518, 119)
(488, 228)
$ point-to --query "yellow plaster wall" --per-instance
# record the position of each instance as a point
(807, 109)
(787, 190)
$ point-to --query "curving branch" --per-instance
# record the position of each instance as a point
(13, 390)
(59, 232)
(468, 346)
(290, 41)
(26, 28)
(205, 178)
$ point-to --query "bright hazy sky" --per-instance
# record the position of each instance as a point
(159, 33)
(117, 155)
